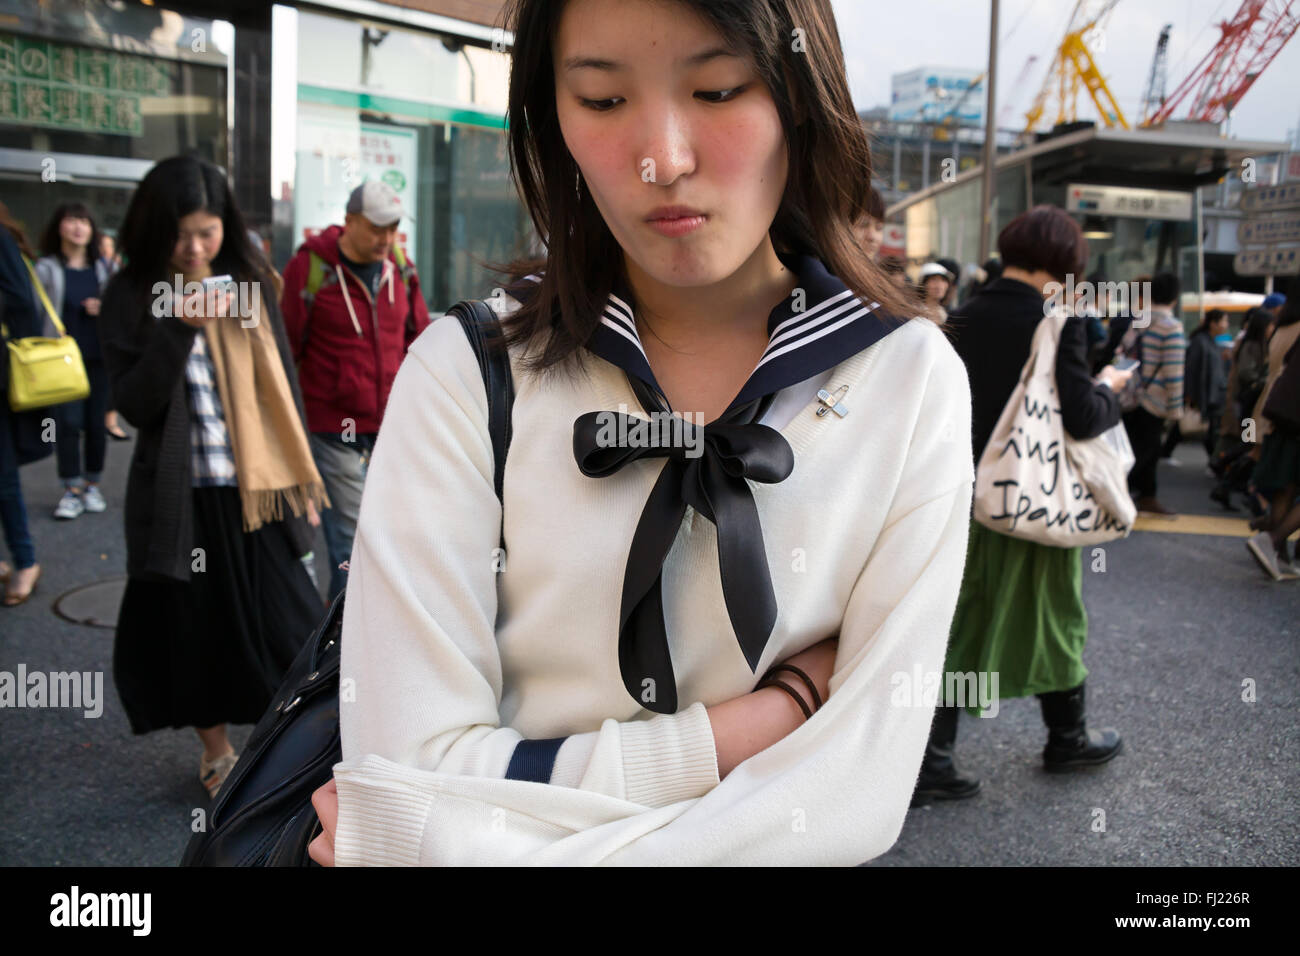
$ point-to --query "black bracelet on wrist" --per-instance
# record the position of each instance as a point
(808, 681)
(777, 682)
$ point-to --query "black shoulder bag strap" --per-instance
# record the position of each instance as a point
(263, 815)
(483, 329)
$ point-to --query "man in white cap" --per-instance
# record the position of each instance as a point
(352, 306)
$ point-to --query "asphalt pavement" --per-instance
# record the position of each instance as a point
(1179, 623)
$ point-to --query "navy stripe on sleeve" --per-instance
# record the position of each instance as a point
(534, 760)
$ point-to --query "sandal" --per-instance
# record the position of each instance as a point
(213, 773)
(12, 597)
(5, 571)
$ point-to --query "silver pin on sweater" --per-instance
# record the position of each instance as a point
(830, 402)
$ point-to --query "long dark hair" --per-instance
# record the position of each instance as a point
(1211, 316)
(827, 191)
(169, 192)
(52, 241)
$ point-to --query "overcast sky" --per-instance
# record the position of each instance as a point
(882, 38)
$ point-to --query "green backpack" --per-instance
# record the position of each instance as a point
(320, 276)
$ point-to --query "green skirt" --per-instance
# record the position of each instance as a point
(1020, 615)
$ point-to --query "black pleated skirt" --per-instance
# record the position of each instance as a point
(214, 649)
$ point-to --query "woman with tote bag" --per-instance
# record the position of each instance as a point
(1021, 613)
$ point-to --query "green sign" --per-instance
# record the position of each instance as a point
(75, 87)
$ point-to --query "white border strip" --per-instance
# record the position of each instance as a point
(415, 18)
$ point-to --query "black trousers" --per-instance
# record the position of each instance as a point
(1144, 434)
(84, 418)
(1213, 419)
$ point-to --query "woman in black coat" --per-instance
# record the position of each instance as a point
(1020, 614)
(217, 603)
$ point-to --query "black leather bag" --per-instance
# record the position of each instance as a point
(263, 815)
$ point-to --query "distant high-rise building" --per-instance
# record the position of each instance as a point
(933, 93)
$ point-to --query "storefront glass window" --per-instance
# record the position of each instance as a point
(423, 113)
(92, 93)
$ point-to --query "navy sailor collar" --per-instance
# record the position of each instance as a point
(820, 325)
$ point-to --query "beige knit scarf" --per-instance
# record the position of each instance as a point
(273, 460)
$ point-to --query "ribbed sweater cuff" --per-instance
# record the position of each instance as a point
(378, 824)
(669, 758)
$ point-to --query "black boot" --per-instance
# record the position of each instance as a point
(939, 779)
(1070, 744)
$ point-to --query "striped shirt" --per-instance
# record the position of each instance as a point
(1164, 348)
(212, 458)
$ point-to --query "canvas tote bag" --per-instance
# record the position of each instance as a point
(1034, 481)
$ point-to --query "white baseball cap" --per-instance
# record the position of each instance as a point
(378, 202)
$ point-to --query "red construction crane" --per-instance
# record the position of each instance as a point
(1248, 43)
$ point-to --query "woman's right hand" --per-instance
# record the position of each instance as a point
(1114, 378)
(199, 309)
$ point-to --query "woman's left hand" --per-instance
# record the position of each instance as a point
(313, 516)
(325, 802)
(91, 306)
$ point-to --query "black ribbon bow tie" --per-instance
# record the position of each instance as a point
(731, 449)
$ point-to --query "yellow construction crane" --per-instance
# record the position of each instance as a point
(1074, 67)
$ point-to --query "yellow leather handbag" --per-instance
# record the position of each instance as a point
(45, 371)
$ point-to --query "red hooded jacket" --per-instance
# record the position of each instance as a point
(347, 359)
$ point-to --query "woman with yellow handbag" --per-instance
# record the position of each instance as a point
(74, 277)
(20, 319)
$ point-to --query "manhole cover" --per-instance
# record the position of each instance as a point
(94, 605)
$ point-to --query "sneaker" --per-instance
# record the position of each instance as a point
(1287, 565)
(93, 500)
(70, 506)
(1261, 546)
(1154, 509)
(213, 773)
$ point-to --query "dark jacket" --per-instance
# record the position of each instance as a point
(145, 358)
(21, 317)
(347, 369)
(1207, 373)
(993, 332)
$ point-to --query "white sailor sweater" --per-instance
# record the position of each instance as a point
(453, 655)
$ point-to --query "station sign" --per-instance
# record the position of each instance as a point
(1271, 198)
(1268, 261)
(1278, 229)
(1128, 202)
(894, 240)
